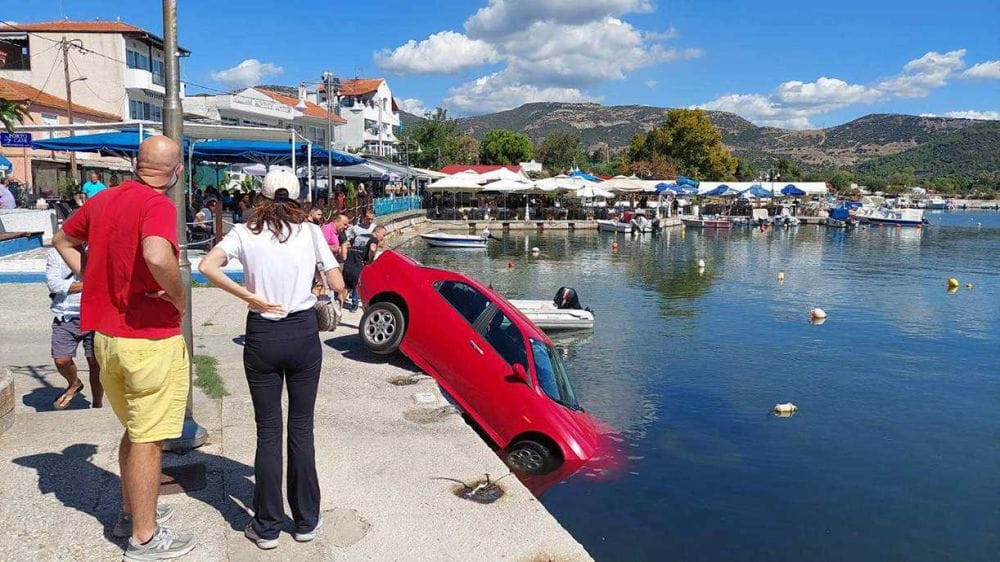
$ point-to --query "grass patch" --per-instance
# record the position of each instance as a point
(207, 376)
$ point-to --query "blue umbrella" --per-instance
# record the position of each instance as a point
(584, 175)
(116, 143)
(758, 191)
(791, 190)
(5, 164)
(691, 182)
(663, 186)
(721, 191)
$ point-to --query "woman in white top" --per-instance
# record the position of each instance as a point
(280, 252)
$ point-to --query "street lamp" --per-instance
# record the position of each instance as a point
(331, 85)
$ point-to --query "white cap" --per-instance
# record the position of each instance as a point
(280, 179)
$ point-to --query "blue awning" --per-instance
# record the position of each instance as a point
(691, 182)
(5, 164)
(584, 175)
(117, 143)
(791, 190)
(721, 191)
(758, 191)
(268, 151)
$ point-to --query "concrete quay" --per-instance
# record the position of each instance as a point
(388, 464)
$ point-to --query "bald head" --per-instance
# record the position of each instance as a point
(158, 161)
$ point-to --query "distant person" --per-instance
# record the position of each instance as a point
(280, 252)
(315, 216)
(361, 253)
(361, 198)
(115, 181)
(335, 234)
(93, 186)
(341, 200)
(134, 300)
(64, 291)
(7, 200)
(240, 207)
(204, 219)
(365, 225)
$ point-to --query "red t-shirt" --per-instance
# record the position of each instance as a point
(116, 278)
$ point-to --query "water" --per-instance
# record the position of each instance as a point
(895, 451)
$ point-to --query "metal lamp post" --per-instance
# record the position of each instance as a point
(332, 86)
(192, 435)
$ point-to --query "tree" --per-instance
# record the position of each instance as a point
(461, 149)
(688, 140)
(559, 151)
(503, 146)
(657, 167)
(745, 170)
(788, 170)
(432, 136)
(841, 180)
(11, 113)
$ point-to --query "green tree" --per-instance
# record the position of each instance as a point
(503, 146)
(841, 180)
(745, 170)
(788, 170)
(432, 136)
(461, 149)
(11, 114)
(559, 151)
(688, 140)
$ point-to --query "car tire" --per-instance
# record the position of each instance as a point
(531, 457)
(382, 328)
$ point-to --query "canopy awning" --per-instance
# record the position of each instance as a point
(592, 191)
(757, 191)
(792, 191)
(722, 191)
(116, 144)
(584, 175)
(5, 164)
(233, 150)
(467, 181)
(624, 184)
(508, 186)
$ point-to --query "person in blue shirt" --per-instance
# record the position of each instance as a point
(94, 186)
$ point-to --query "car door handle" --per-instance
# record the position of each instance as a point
(476, 347)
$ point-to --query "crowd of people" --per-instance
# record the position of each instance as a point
(115, 287)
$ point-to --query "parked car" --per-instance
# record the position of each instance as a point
(496, 365)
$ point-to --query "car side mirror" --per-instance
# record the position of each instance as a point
(520, 374)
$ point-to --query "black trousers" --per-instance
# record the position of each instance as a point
(284, 351)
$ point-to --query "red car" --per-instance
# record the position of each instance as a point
(487, 356)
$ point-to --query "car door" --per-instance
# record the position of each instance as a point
(457, 349)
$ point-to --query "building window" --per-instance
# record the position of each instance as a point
(135, 59)
(249, 123)
(142, 111)
(231, 121)
(14, 53)
(158, 73)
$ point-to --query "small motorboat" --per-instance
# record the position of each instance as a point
(636, 223)
(561, 313)
(605, 225)
(442, 240)
(706, 222)
(902, 217)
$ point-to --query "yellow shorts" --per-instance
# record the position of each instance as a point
(146, 382)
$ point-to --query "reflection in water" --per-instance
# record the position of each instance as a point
(895, 452)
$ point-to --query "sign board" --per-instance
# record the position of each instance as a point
(15, 140)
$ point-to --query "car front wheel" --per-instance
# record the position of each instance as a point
(382, 328)
(531, 457)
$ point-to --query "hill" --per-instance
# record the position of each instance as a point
(970, 153)
(845, 145)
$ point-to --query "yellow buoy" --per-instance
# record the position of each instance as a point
(968, 285)
(952, 290)
(952, 282)
(781, 276)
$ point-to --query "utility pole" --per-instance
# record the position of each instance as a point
(193, 435)
(69, 103)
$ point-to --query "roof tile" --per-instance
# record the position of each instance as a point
(312, 109)
(20, 92)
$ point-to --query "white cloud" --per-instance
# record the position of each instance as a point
(670, 33)
(650, 83)
(761, 110)
(497, 92)
(442, 53)
(502, 17)
(248, 73)
(988, 69)
(968, 114)
(414, 106)
(922, 75)
(823, 92)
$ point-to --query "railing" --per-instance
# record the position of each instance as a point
(389, 205)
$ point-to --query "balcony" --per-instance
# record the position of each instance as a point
(139, 79)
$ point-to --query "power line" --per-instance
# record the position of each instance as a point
(41, 90)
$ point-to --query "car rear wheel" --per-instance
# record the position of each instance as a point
(382, 328)
(531, 457)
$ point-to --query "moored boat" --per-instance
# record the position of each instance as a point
(706, 222)
(902, 217)
(442, 240)
(561, 313)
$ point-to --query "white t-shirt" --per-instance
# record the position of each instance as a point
(281, 272)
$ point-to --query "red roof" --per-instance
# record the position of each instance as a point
(357, 86)
(19, 92)
(478, 168)
(75, 26)
(312, 109)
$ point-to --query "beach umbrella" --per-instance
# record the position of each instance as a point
(623, 184)
(508, 186)
(467, 181)
(563, 183)
(757, 190)
(503, 173)
(690, 182)
(792, 191)
(592, 191)
(722, 191)
(584, 175)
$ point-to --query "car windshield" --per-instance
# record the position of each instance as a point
(552, 375)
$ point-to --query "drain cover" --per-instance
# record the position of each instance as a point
(183, 478)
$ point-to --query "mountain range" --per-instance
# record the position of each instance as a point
(878, 137)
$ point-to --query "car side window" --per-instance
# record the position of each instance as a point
(469, 302)
(505, 337)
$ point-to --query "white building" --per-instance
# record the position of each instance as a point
(114, 67)
(260, 106)
(371, 116)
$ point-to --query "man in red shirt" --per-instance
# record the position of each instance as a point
(134, 300)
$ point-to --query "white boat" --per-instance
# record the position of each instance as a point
(902, 217)
(561, 313)
(605, 225)
(441, 240)
(937, 203)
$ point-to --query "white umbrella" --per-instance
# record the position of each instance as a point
(503, 174)
(467, 181)
(592, 191)
(563, 183)
(623, 184)
(508, 186)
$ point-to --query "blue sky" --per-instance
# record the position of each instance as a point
(784, 63)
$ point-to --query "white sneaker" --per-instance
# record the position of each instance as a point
(263, 544)
(306, 537)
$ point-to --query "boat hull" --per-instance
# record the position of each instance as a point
(612, 226)
(546, 316)
(901, 222)
(454, 241)
(706, 223)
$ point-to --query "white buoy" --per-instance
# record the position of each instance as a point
(817, 314)
(786, 408)
(701, 264)
(781, 276)
(535, 251)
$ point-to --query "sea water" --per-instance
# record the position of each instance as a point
(894, 453)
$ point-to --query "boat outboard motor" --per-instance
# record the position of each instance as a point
(567, 298)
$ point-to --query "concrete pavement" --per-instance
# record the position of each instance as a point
(388, 465)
